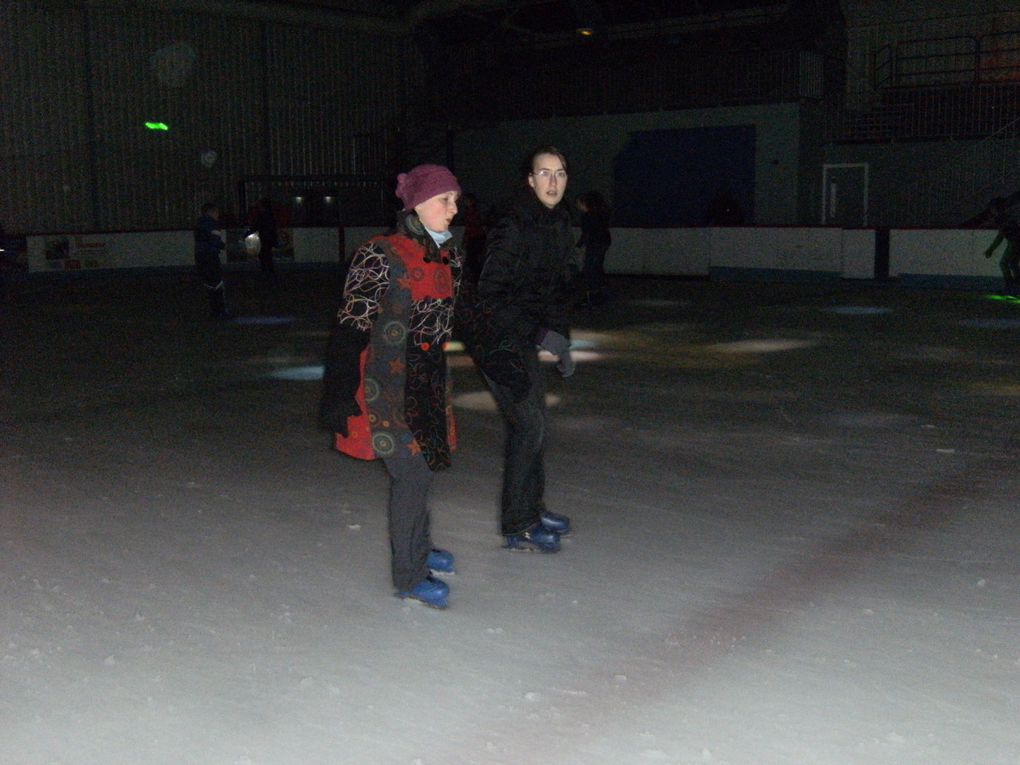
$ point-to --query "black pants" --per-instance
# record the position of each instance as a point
(217, 301)
(524, 457)
(593, 272)
(410, 536)
(1009, 264)
(210, 271)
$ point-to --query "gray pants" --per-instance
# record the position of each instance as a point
(410, 537)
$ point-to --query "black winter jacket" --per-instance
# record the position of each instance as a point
(208, 243)
(524, 279)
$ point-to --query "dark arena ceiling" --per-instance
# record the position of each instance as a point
(538, 18)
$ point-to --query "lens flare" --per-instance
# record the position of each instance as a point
(857, 310)
(308, 373)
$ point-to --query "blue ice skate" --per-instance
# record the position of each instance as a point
(430, 591)
(441, 561)
(555, 522)
(538, 537)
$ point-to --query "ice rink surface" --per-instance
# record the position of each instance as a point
(797, 536)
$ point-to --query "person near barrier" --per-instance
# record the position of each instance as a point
(595, 240)
(386, 390)
(263, 222)
(523, 286)
(209, 243)
(1009, 231)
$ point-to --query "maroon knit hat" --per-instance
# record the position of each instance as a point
(424, 182)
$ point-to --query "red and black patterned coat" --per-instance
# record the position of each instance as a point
(386, 353)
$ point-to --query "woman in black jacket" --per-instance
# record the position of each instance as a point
(523, 288)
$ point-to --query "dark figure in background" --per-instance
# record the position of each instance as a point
(1009, 230)
(264, 224)
(208, 246)
(474, 236)
(523, 289)
(595, 240)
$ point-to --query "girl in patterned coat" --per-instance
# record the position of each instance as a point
(386, 389)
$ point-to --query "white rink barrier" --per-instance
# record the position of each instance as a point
(167, 249)
(942, 252)
(857, 250)
(934, 254)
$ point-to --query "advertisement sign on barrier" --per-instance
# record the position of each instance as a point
(74, 253)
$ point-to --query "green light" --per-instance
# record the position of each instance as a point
(157, 126)
(1003, 298)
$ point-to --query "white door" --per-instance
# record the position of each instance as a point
(845, 195)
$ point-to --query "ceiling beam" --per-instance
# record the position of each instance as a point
(265, 10)
(430, 9)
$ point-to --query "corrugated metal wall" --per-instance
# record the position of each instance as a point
(241, 96)
(44, 137)
(338, 86)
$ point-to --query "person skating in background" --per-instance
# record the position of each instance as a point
(209, 243)
(595, 240)
(523, 287)
(386, 388)
(1009, 231)
(263, 222)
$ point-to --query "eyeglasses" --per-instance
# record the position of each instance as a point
(560, 175)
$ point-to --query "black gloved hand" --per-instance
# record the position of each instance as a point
(333, 415)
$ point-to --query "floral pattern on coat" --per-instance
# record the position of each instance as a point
(387, 349)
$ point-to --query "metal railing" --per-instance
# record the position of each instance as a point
(946, 112)
(958, 59)
(934, 88)
(958, 187)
